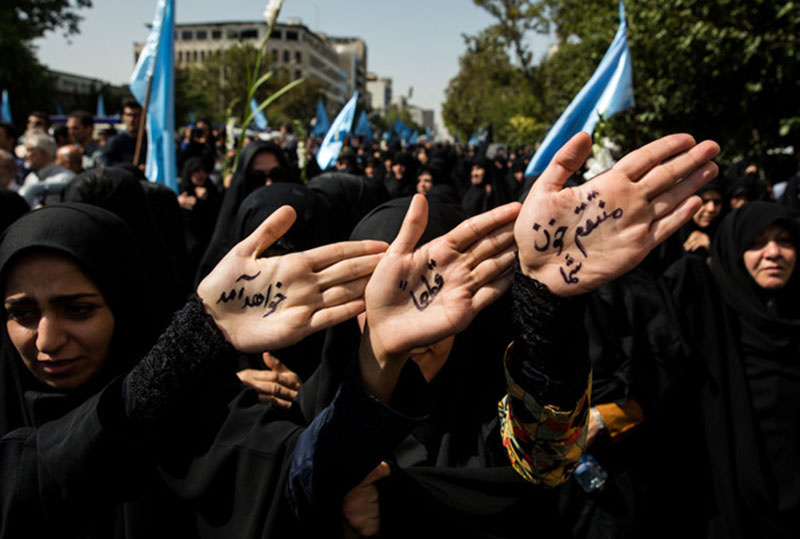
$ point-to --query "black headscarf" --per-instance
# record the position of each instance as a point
(99, 243)
(240, 187)
(119, 192)
(12, 207)
(346, 199)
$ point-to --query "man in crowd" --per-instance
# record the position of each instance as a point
(81, 127)
(70, 157)
(121, 148)
(8, 141)
(46, 179)
(8, 169)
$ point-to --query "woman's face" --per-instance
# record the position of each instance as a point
(477, 175)
(771, 257)
(710, 210)
(424, 183)
(199, 177)
(57, 320)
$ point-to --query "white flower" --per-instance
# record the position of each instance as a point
(271, 11)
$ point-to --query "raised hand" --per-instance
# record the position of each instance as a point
(574, 240)
(418, 297)
(279, 384)
(262, 304)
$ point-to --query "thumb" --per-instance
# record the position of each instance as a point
(565, 163)
(413, 226)
(274, 363)
(379, 472)
(268, 232)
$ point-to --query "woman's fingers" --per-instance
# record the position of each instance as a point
(637, 163)
(328, 255)
(669, 199)
(490, 245)
(472, 230)
(491, 292)
(330, 316)
(268, 232)
(344, 293)
(413, 226)
(379, 472)
(348, 270)
(492, 268)
(565, 162)
(662, 228)
(666, 175)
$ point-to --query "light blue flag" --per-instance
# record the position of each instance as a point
(402, 130)
(414, 137)
(259, 119)
(5, 114)
(101, 107)
(609, 91)
(157, 61)
(362, 126)
(427, 132)
(334, 138)
(322, 124)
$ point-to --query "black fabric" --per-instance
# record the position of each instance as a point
(119, 192)
(346, 199)
(240, 187)
(12, 207)
(746, 342)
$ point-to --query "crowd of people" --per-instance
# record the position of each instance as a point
(422, 341)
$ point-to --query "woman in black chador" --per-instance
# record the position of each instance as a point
(200, 201)
(742, 320)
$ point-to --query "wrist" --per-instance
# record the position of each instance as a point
(379, 370)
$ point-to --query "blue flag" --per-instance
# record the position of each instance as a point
(101, 107)
(157, 62)
(609, 91)
(259, 119)
(59, 110)
(191, 116)
(322, 123)
(414, 137)
(362, 127)
(5, 114)
(427, 132)
(402, 130)
(334, 138)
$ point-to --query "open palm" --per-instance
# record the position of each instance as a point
(263, 304)
(418, 297)
(574, 240)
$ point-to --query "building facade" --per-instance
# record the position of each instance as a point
(292, 46)
(380, 92)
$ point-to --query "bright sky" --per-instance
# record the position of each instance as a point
(417, 43)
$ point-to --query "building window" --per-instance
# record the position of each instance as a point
(276, 34)
(298, 57)
(216, 34)
(286, 57)
(291, 35)
(233, 34)
(201, 34)
(194, 55)
(297, 74)
(250, 33)
(202, 55)
(180, 56)
(274, 55)
(186, 35)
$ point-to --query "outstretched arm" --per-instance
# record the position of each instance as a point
(572, 241)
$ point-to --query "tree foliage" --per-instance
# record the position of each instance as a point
(21, 74)
(721, 69)
(220, 80)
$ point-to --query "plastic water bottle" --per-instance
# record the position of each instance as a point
(589, 474)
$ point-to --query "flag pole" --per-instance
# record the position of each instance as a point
(143, 119)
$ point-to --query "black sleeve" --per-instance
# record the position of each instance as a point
(550, 359)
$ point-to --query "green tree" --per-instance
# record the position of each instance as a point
(22, 21)
(489, 89)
